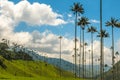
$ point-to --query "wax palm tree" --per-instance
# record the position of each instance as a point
(73, 63)
(83, 21)
(101, 41)
(60, 37)
(117, 56)
(89, 51)
(113, 22)
(80, 46)
(103, 34)
(77, 9)
(92, 30)
(96, 60)
(86, 44)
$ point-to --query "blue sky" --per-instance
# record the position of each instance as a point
(23, 22)
(110, 9)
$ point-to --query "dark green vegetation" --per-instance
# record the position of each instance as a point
(19, 65)
(30, 70)
(11, 54)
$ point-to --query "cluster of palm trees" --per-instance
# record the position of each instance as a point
(82, 21)
(77, 9)
(113, 23)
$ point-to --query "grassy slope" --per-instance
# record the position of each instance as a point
(109, 75)
(31, 70)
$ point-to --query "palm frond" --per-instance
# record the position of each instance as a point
(92, 29)
(113, 22)
(103, 34)
(83, 21)
(77, 8)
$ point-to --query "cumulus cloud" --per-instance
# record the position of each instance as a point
(94, 21)
(35, 14)
(118, 45)
(39, 14)
(96, 53)
(50, 43)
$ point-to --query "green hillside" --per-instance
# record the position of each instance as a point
(18, 65)
(109, 75)
(30, 70)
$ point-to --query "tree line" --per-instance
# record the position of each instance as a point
(11, 53)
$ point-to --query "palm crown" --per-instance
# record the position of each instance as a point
(113, 22)
(92, 29)
(77, 7)
(83, 21)
(103, 33)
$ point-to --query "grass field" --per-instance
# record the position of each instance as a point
(31, 70)
(37, 78)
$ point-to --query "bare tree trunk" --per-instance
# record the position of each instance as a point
(103, 60)
(113, 53)
(85, 61)
(80, 54)
(101, 45)
(60, 55)
(89, 64)
(92, 52)
(76, 45)
(83, 55)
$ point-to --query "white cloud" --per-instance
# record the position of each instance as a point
(39, 14)
(35, 14)
(49, 42)
(69, 15)
(117, 48)
(70, 21)
(118, 45)
(94, 21)
(96, 53)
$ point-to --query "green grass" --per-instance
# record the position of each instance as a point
(38, 78)
(32, 70)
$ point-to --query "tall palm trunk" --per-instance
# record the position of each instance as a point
(89, 63)
(75, 45)
(83, 55)
(92, 52)
(80, 54)
(101, 44)
(83, 22)
(73, 64)
(113, 52)
(117, 68)
(60, 56)
(97, 68)
(103, 60)
(85, 62)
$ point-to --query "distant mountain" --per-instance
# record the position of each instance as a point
(21, 53)
(65, 65)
